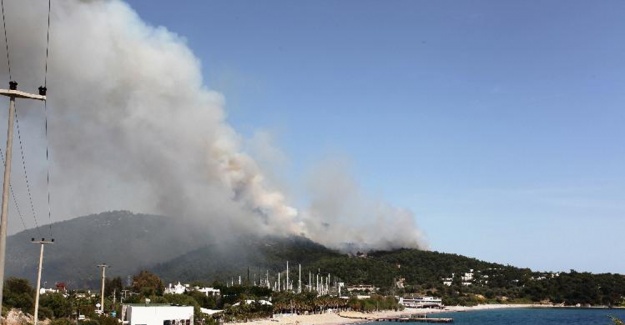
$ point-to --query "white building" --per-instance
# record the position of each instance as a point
(157, 315)
(466, 279)
(421, 302)
(208, 291)
(43, 291)
(448, 281)
(468, 276)
(179, 289)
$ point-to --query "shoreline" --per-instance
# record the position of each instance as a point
(352, 317)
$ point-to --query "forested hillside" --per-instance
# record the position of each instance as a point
(126, 241)
(178, 251)
(423, 273)
(224, 261)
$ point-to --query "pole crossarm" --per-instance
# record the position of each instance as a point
(21, 94)
(43, 241)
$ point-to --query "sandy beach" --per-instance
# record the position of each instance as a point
(357, 317)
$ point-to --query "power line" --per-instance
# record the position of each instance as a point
(42, 91)
(6, 39)
(45, 109)
(30, 196)
(17, 206)
(45, 78)
(13, 93)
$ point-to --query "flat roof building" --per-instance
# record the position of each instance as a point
(157, 315)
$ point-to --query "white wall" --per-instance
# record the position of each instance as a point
(157, 315)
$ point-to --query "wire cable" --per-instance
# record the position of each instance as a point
(45, 109)
(6, 39)
(17, 206)
(42, 91)
(30, 196)
(45, 78)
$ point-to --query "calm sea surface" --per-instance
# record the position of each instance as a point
(538, 316)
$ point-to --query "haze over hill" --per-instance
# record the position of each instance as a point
(146, 134)
(179, 252)
(126, 241)
(175, 250)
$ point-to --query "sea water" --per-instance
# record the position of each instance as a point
(532, 316)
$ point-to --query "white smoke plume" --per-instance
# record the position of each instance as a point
(342, 216)
(133, 126)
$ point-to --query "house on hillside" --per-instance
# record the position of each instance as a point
(178, 289)
(466, 279)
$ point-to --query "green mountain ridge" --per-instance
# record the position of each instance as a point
(126, 241)
(180, 250)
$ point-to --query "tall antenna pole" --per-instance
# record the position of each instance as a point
(287, 275)
(328, 284)
(299, 281)
(12, 93)
(317, 284)
(103, 266)
(42, 242)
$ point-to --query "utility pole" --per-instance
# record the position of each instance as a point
(42, 242)
(287, 275)
(12, 93)
(299, 281)
(103, 266)
(124, 295)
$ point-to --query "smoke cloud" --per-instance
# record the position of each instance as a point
(133, 127)
(342, 216)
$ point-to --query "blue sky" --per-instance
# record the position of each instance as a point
(498, 123)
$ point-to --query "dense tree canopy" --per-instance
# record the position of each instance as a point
(147, 283)
(18, 293)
